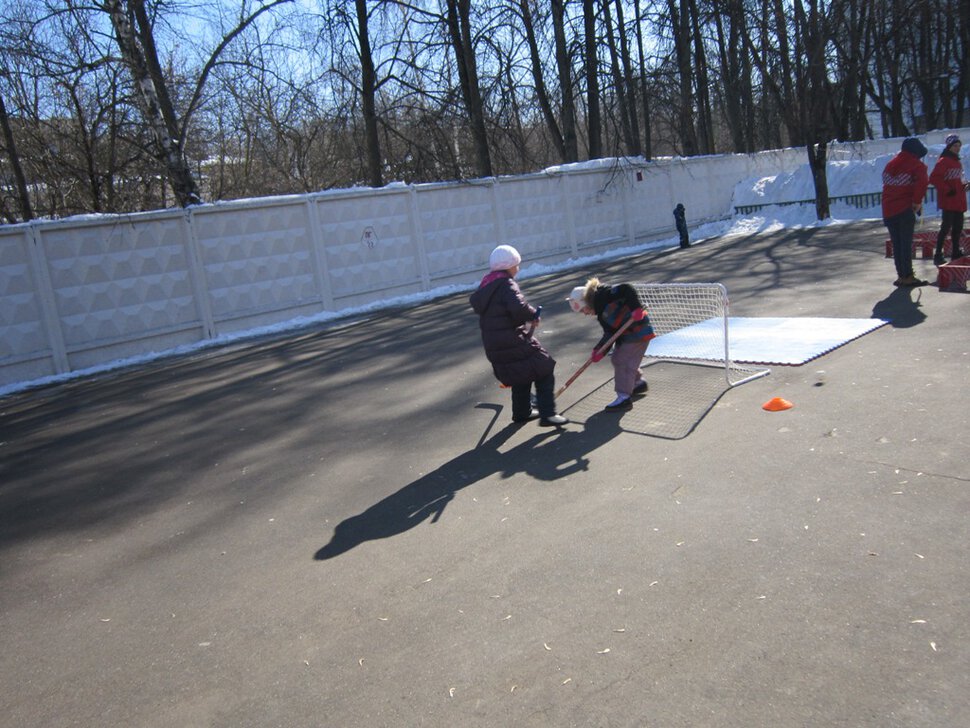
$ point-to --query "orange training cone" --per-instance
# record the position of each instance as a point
(777, 404)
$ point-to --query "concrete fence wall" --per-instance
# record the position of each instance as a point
(85, 291)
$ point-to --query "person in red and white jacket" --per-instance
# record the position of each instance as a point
(951, 197)
(614, 306)
(904, 182)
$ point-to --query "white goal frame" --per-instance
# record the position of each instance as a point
(700, 312)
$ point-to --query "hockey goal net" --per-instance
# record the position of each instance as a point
(698, 313)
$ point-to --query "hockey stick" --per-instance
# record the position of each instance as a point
(601, 351)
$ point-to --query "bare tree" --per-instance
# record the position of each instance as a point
(705, 130)
(734, 63)
(80, 149)
(590, 48)
(20, 180)
(853, 41)
(886, 81)
(134, 33)
(961, 91)
(642, 72)
(619, 55)
(795, 73)
(443, 89)
(566, 86)
(368, 86)
(459, 26)
(680, 28)
(538, 77)
(139, 53)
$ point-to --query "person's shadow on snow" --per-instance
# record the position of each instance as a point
(902, 308)
(547, 456)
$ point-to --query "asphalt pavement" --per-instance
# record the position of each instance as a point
(341, 526)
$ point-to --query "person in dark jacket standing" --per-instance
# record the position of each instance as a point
(951, 197)
(613, 306)
(904, 182)
(507, 322)
(680, 219)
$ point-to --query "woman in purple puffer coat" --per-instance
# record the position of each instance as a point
(517, 358)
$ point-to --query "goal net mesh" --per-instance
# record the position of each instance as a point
(699, 313)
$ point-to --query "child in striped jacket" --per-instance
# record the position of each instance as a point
(613, 306)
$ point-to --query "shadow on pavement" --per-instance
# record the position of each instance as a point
(901, 308)
(547, 456)
(680, 395)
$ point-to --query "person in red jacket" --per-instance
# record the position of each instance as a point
(951, 197)
(904, 182)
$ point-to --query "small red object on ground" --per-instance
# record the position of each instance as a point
(953, 276)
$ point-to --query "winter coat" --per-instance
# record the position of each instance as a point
(947, 177)
(613, 305)
(505, 319)
(904, 182)
(680, 218)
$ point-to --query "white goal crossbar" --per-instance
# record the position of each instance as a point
(699, 313)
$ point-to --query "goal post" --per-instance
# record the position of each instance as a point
(698, 312)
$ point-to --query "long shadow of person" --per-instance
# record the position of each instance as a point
(900, 308)
(547, 456)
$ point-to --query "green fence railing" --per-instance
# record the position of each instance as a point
(863, 200)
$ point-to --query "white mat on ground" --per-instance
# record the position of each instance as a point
(763, 340)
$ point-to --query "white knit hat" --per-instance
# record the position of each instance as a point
(504, 257)
(577, 298)
(950, 140)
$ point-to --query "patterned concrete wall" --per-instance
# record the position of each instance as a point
(118, 281)
(255, 261)
(25, 347)
(81, 292)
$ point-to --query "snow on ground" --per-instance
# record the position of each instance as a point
(844, 178)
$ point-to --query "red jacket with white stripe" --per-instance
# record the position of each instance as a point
(947, 177)
(904, 182)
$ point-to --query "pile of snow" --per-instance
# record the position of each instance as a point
(844, 178)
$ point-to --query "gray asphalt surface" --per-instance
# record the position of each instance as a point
(341, 527)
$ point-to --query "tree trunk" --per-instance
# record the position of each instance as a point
(368, 98)
(732, 82)
(817, 155)
(681, 33)
(459, 28)
(593, 118)
(570, 140)
(541, 94)
(644, 88)
(817, 117)
(20, 179)
(629, 138)
(705, 126)
(962, 90)
(157, 105)
(628, 82)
